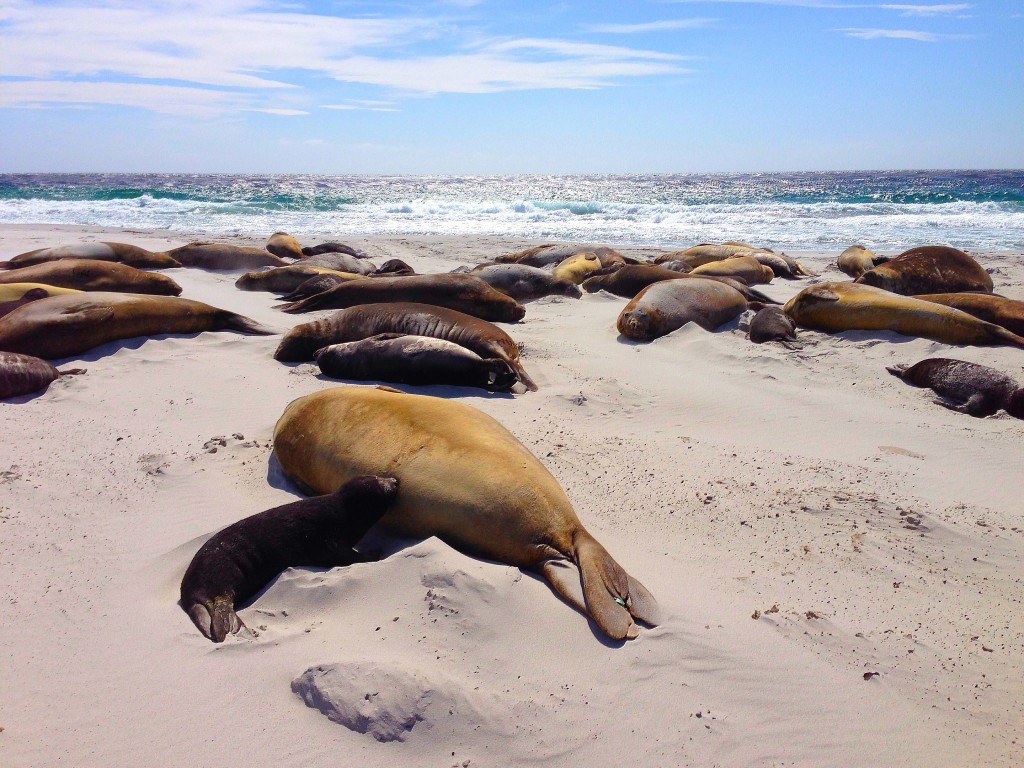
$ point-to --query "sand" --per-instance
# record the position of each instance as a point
(804, 519)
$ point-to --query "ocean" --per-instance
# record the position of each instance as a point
(979, 210)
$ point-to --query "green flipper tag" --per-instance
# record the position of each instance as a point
(620, 601)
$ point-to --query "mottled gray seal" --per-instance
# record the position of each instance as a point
(929, 269)
(965, 387)
(25, 374)
(465, 479)
(125, 253)
(239, 561)
(666, 306)
(93, 275)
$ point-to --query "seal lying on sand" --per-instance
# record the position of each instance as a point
(709, 253)
(225, 256)
(856, 260)
(402, 359)
(124, 253)
(239, 561)
(929, 269)
(629, 280)
(576, 268)
(465, 479)
(92, 275)
(546, 255)
(524, 283)
(334, 247)
(746, 268)
(834, 307)
(365, 320)
(966, 387)
(771, 324)
(458, 291)
(284, 246)
(666, 306)
(24, 374)
(395, 268)
(314, 285)
(341, 262)
(66, 325)
(284, 279)
(35, 293)
(1009, 313)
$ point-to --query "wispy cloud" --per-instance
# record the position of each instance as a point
(900, 34)
(928, 10)
(650, 26)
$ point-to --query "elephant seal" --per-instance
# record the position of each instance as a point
(524, 283)
(284, 246)
(746, 268)
(771, 324)
(225, 256)
(14, 291)
(395, 268)
(629, 280)
(284, 279)
(708, 253)
(402, 359)
(666, 306)
(929, 269)
(61, 326)
(92, 275)
(834, 307)
(332, 247)
(30, 295)
(969, 388)
(124, 253)
(1009, 313)
(856, 260)
(239, 561)
(465, 479)
(576, 268)
(314, 285)
(548, 254)
(340, 262)
(25, 374)
(458, 291)
(365, 320)
(675, 265)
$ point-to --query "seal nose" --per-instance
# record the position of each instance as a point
(389, 485)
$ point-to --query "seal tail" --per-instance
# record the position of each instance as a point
(247, 325)
(613, 597)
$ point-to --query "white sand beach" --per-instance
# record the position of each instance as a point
(803, 518)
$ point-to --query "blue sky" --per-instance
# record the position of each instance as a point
(482, 86)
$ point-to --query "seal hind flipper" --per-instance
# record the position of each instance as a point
(244, 324)
(899, 370)
(216, 618)
(607, 589)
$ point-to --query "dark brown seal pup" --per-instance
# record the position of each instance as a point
(365, 320)
(465, 479)
(401, 359)
(315, 250)
(124, 253)
(1009, 313)
(92, 275)
(225, 256)
(525, 283)
(461, 292)
(24, 374)
(929, 269)
(284, 246)
(771, 324)
(965, 387)
(61, 326)
(666, 306)
(239, 561)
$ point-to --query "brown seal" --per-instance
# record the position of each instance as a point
(225, 256)
(92, 275)
(856, 260)
(834, 307)
(61, 326)
(124, 253)
(458, 291)
(239, 561)
(365, 320)
(29, 295)
(576, 268)
(399, 359)
(334, 247)
(314, 285)
(24, 374)
(746, 268)
(965, 387)
(771, 324)
(929, 269)
(465, 479)
(285, 279)
(548, 254)
(395, 268)
(1009, 313)
(666, 306)
(284, 246)
(525, 283)
(629, 280)
(339, 261)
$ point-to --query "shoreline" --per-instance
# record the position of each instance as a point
(870, 530)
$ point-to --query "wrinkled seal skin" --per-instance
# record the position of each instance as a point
(746, 268)
(458, 291)
(666, 306)
(284, 246)
(415, 360)
(410, 319)
(835, 307)
(1008, 313)
(929, 269)
(969, 388)
(124, 253)
(239, 561)
(316, 250)
(32, 294)
(465, 479)
(24, 374)
(225, 256)
(284, 279)
(524, 283)
(92, 275)
(61, 326)
(341, 262)
(856, 260)
(771, 324)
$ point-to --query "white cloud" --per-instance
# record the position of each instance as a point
(167, 99)
(650, 26)
(362, 105)
(927, 10)
(900, 34)
(279, 111)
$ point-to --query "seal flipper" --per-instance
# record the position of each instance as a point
(216, 618)
(613, 597)
(242, 324)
